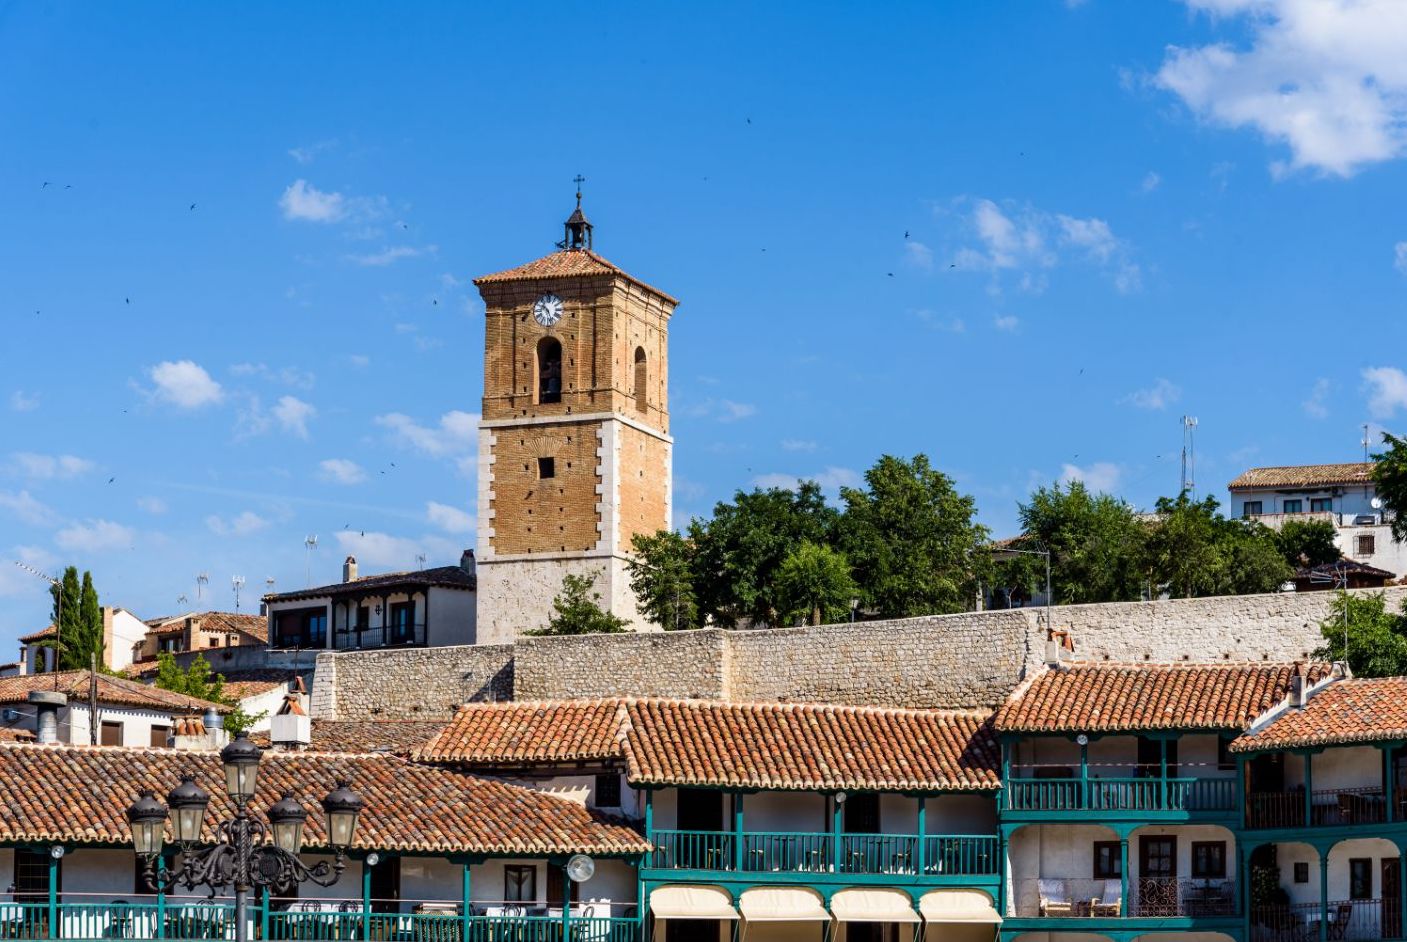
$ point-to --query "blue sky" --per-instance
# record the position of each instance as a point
(1021, 237)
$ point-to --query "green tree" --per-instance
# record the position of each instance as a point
(814, 582)
(661, 571)
(1096, 545)
(738, 552)
(1390, 480)
(80, 622)
(1376, 639)
(577, 611)
(911, 539)
(1307, 543)
(1194, 551)
(199, 681)
(1252, 558)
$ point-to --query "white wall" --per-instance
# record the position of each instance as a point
(75, 726)
(1338, 767)
(452, 617)
(121, 633)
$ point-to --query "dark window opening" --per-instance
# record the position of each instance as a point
(1301, 872)
(519, 884)
(1360, 878)
(641, 378)
(1321, 504)
(402, 623)
(557, 886)
(1209, 859)
(861, 813)
(32, 875)
(546, 468)
(1251, 508)
(1224, 761)
(304, 628)
(386, 885)
(1367, 545)
(608, 790)
(1293, 506)
(1108, 862)
(699, 809)
(549, 370)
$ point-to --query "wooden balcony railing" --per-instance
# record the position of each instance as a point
(1327, 808)
(1122, 794)
(818, 852)
(1361, 920)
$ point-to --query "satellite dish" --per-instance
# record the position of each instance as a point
(1377, 503)
(581, 868)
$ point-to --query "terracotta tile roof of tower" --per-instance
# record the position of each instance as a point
(1347, 711)
(573, 263)
(409, 808)
(112, 690)
(1089, 698)
(1305, 475)
(762, 745)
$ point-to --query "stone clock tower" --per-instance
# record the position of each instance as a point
(574, 449)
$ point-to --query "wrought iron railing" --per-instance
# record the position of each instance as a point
(1121, 794)
(1147, 898)
(1327, 808)
(387, 636)
(1358, 920)
(818, 852)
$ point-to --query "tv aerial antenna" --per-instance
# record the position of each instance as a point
(202, 579)
(1189, 456)
(237, 583)
(420, 560)
(310, 543)
(182, 601)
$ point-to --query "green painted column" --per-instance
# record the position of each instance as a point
(264, 912)
(650, 826)
(1006, 770)
(1323, 895)
(54, 927)
(566, 902)
(1124, 876)
(1243, 889)
(1308, 790)
(160, 897)
(1162, 774)
(1241, 790)
(738, 849)
(1001, 862)
(1084, 776)
(921, 852)
(835, 833)
(366, 900)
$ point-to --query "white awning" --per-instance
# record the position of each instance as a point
(691, 902)
(783, 904)
(873, 905)
(958, 906)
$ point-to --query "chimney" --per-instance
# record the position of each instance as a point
(47, 704)
(291, 728)
(349, 569)
(1297, 688)
(1059, 647)
(466, 561)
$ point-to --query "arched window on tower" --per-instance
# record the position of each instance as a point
(549, 370)
(641, 378)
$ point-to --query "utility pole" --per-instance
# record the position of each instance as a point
(94, 723)
(1189, 457)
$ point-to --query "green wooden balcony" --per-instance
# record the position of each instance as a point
(1213, 797)
(820, 852)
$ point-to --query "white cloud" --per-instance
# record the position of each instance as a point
(383, 549)
(1387, 390)
(341, 471)
(1325, 78)
(1151, 181)
(184, 384)
(289, 376)
(1028, 242)
(1315, 406)
(918, 255)
(152, 505)
(243, 525)
(457, 433)
(1399, 257)
(20, 401)
(831, 479)
(1160, 395)
(303, 201)
(94, 536)
(49, 467)
(1007, 322)
(722, 410)
(27, 509)
(450, 519)
(798, 444)
(308, 153)
(934, 321)
(293, 415)
(393, 254)
(359, 360)
(1102, 477)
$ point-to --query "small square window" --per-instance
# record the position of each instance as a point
(1367, 545)
(1301, 872)
(1107, 860)
(1321, 504)
(1208, 859)
(608, 790)
(546, 468)
(1251, 508)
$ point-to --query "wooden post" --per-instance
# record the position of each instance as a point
(921, 852)
(366, 900)
(566, 903)
(1162, 774)
(1323, 894)
(1124, 875)
(738, 853)
(55, 930)
(1308, 790)
(1402, 893)
(160, 897)
(467, 892)
(1084, 776)
(835, 833)
(1388, 785)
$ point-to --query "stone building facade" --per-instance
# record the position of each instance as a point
(574, 446)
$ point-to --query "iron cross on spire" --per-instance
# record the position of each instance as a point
(578, 180)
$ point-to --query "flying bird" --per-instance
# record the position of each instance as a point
(128, 300)
(110, 480)
(44, 185)
(906, 233)
(891, 274)
(192, 206)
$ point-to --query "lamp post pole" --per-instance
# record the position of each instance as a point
(243, 856)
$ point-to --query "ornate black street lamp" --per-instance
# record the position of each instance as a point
(243, 856)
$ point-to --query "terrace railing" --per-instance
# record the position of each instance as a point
(1327, 808)
(1121, 794)
(1361, 920)
(818, 852)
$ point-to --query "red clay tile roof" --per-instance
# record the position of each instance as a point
(446, 577)
(409, 808)
(16, 735)
(1089, 698)
(222, 622)
(807, 746)
(394, 737)
(1346, 711)
(113, 690)
(763, 745)
(574, 263)
(1305, 475)
(39, 635)
(558, 731)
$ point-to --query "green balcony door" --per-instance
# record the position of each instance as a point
(1157, 876)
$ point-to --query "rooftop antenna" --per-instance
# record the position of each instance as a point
(237, 583)
(269, 585)
(182, 601)
(420, 560)
(1189, 456)
(58, 588)
(201, 580)
(1366, 458)
(311, 543)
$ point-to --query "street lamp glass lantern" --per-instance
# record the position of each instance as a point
(287, 817)
(148, 819)
(188, 802)
(241, 761)
(342, 806)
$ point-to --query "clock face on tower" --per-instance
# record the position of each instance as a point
(547, 310)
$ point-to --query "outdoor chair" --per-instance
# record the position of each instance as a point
(1109, 904)
(1338, 924)
(1055, 898)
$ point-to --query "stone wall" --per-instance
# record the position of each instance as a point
(410, 683)
(954, 661)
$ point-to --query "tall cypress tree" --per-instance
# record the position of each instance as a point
(80, 621)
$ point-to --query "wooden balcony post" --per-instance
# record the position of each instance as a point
(1084, 776)
(835, 833)
(1124, 875)
(1323, 894)
(467, 892)
(738, 854)
(921, 852)
(366, 900)
(1308, 790)
(566, 901)
(55, 930)
(1402, 893)
(1162, 774)
(1389, 799)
